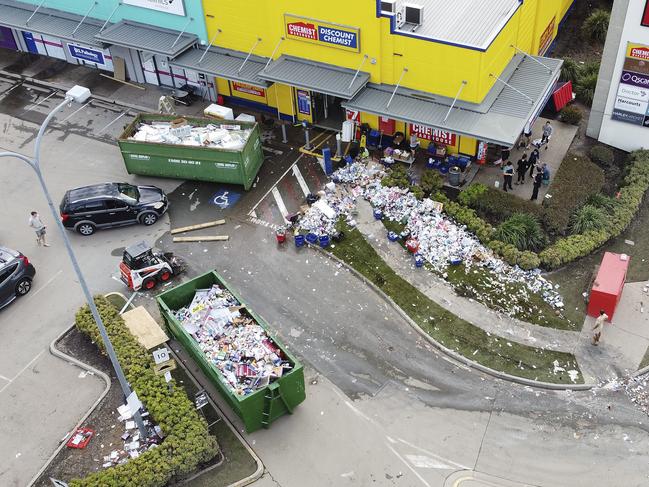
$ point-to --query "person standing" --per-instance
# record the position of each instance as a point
(538, 180)
(521, 169)
(508, 175)
(39, 227)
(547, 133)
(527, 137)
(599, 326)
(533, 161)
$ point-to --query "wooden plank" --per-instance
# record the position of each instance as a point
(207, 238)
(144, 328)
(197, 226)
(122, 81)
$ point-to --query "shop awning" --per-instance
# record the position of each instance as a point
(501, 117)
(55, 23)
(147, 38)
(319, 77)
(223, 63)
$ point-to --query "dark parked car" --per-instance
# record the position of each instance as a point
(16, 274)
(110, 205)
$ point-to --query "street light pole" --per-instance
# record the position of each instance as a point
(79, 95)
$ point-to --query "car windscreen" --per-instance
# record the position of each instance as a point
(128, 192)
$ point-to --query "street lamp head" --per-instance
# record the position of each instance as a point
(78, 94)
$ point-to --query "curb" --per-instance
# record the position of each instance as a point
(57, 353)
(59, 87)
(451, 353)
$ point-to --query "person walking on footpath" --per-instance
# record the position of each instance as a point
(538, 180)
(508, 175)
(39, 227)
(599, 326)
(533, 161)
(547, 133)
(521, 169)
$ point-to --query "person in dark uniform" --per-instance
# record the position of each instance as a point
(508, 175)
(538, 180)
(521, 169)
(533, 161)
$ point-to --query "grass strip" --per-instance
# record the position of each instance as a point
(449, 330)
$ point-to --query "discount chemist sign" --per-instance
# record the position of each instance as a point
(323, 33)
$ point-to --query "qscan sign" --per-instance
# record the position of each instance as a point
(323, 33)
(86, 54)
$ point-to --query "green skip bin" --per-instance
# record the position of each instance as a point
(166, 146)
(250, 368)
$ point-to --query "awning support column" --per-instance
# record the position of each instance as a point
(34, 12)
(455, 100)
(357, 71)
(119, 4)
(531, 57)
(281, 39)
(218, 31)
(405, 70)
(249, 54)
(510, 86)
(84, 18)
(189, 21)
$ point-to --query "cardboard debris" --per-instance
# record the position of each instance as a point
(231, 137)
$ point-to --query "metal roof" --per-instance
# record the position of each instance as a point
(49, 22)
(319, 77)
(472, 23)
(499, 119)
(223, 63)
(147, 38)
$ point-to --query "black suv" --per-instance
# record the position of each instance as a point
(110, 205)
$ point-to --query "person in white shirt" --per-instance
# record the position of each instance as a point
(599, 326)
(39, 227)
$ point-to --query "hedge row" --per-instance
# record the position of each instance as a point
(496, 205)
(576, 180)
(187, 443)
(631, 194)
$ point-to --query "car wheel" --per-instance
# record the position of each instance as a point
(164, 276)
(149, 283)
(149, 219)
(23, 286)
(86, 229)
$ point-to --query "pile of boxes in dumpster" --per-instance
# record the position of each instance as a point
(232, 340)
(179, 132)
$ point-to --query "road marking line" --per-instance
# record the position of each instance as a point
(22, 370)
(405, 462)
(274, 185)
(300, 180)
(5, 378)
(44, 285)
(280, 202)
(434, 455)
(253, 214)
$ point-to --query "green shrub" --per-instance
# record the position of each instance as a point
(431, 181)
(528, 260)
(187, 443)
(472, 194)
(571, 114)
(497, 206)
(522, 231)
(570, 70)
(632, 192)
(585, 88)
(417, 191)
(595, 27)
(397, 176)
(587, 219)
(511, 254)
(497, 246)
(576, 180)
(602, 155)
(603, 202)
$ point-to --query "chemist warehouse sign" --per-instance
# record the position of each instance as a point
(323, 33)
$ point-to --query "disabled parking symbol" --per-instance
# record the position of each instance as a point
(225, 198)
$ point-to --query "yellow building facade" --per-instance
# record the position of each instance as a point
(459, 68)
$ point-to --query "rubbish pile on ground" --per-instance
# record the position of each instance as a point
(230, 136)
(637, 389)
(232, 340)
(134, 445)
(441, 241)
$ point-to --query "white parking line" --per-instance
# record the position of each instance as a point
(300, 180)
(279, 201)
(31, 295)
(275, 184)
(22, 370)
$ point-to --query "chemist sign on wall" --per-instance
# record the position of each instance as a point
(175, 7)
(632, 99)
(322, 33)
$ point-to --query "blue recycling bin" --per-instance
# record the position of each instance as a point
(328, 163)
(463, 162)
(299, 240)
(393, 237)
(324, 241)
(311, 238)
(419, 261)
(443, 169)
(373, 139)
(378, 214)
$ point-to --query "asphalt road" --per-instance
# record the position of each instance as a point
(383, 407)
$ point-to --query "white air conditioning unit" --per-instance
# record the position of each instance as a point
(401, 17)
(414, 14)
(388, 6)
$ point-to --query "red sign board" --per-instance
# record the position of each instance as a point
(248, 89)
(353, 115)
(645, 15)
(434, 135)
(306, 30)
(547, 36)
